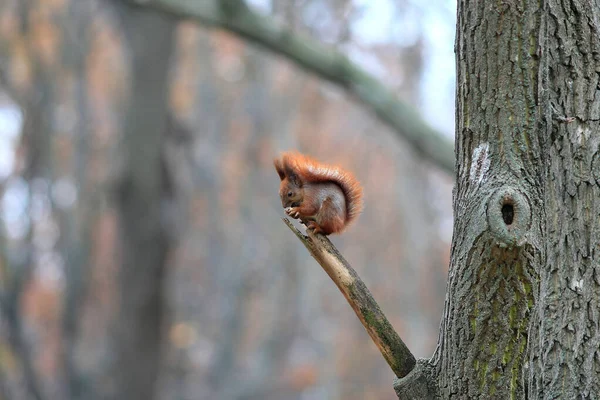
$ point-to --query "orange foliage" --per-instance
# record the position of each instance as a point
(187, 68)
(283, 77)
(302, 376)
(182, 335)
(199, 212)
(228, 45)
(232, 172)
(105, 66)
(8, 25)
(42, 306)
(45, 38)
(20, 64)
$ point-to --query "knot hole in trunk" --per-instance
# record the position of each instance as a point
(509, 216)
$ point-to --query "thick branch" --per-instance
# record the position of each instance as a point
(391, 346)
(326, 62)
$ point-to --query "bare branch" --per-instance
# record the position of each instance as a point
(324, 61)
(391, 346)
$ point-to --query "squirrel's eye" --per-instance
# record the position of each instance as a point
(290, 194)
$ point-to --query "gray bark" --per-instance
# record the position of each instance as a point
(143, 197)
(564, 340)
(522, 309)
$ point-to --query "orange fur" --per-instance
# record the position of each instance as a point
(327, 197)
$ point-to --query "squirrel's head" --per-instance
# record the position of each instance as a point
(290, 189)
(291, 193)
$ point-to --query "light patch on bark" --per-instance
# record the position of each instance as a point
(582, 134)
(576, 285)
(480, 163)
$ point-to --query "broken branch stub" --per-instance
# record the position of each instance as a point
(387, 340)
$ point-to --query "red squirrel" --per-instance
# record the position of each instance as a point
(324, 197)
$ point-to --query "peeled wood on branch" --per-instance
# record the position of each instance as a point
(391, 346)
(235, 16)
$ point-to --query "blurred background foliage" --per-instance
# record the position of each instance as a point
(245, 312)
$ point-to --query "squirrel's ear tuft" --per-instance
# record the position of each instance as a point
(279, 167)
(294, 179)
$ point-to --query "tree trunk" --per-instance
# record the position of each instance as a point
(564, 349)
(497, 248)
(522, 312)
(143, 196)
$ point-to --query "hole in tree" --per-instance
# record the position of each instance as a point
(508, 213)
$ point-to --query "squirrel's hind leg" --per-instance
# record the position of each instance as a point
(329, 218)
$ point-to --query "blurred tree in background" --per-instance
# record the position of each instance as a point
(143, 255)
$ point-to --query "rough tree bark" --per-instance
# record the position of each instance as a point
(143, 197)
(564, 352)
(522, 313)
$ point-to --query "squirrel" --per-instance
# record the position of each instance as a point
(324, 197)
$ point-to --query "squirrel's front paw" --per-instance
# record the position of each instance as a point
(293, 212)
